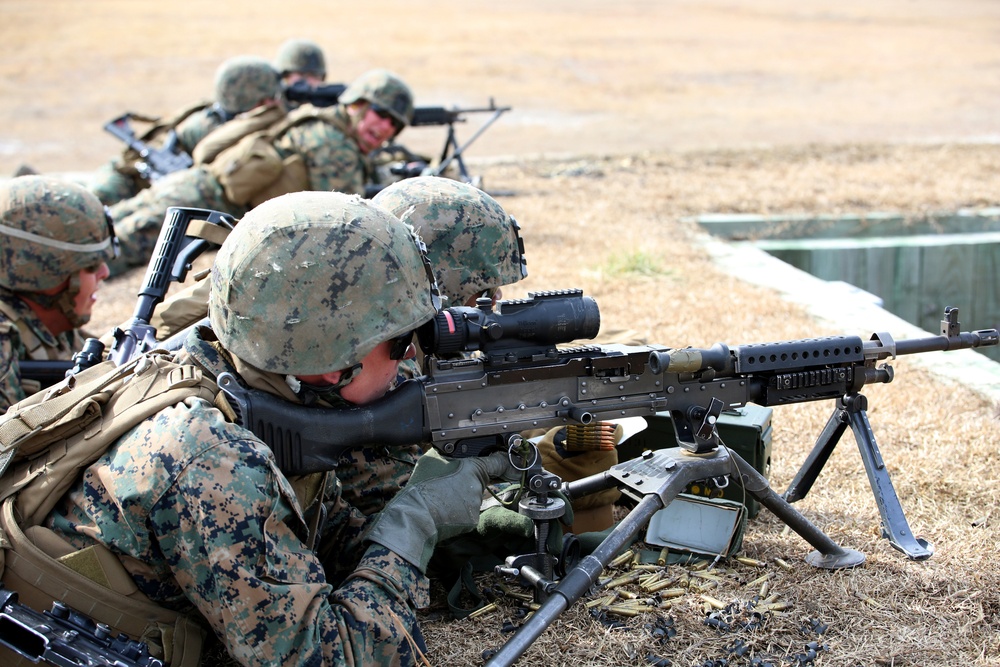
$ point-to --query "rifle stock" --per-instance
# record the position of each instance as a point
(473, 406)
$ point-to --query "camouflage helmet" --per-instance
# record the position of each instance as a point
(243, 82)
(384, 89)
(472, 244)
(301, 55)
(49, 230)
(311, 282)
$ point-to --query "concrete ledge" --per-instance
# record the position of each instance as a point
(850, 311)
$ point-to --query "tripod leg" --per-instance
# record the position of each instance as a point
(828, 555)
(894, 525)
(820, 454)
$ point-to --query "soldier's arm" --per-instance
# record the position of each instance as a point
(332, 159)
(232, 532)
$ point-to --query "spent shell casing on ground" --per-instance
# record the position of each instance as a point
(714, 602)
(482, 611)
(621, 559)
(746, 560)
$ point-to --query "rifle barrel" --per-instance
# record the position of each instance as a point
(961, 341)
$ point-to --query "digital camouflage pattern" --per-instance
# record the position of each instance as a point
(338, 274)
(138, 220)
(243, 82)
(301, 55)
(385, 89)
(49, 230)
(371, 476)
(324, 139)
(472, 243)
(199, 513)
(24, 336)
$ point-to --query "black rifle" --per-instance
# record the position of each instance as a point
(154, 163)
(65, 637)
(177, 246)
(520, 380)
(325, 95)
(329, 94)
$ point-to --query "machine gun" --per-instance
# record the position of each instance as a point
(329, 94)
(518, 380)
(186, 233)
(65, 637)
(154, 163)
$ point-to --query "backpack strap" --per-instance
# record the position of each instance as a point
(29, 417)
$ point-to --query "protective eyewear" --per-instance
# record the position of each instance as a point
(400, 344)
(384, 114)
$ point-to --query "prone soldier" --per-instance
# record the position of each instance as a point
(300, 60)
(242, 83)
(194, 506)
(320, 149)
(56, 242)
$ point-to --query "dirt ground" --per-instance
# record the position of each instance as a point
(628, 118)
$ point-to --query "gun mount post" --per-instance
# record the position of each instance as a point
(453, 152)
(852, 411)
(655, 479)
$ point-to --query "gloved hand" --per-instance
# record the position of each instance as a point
(440, 501)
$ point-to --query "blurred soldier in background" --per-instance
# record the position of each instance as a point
(241, 84)
(54, 241)
(300, 60)
(322, 149)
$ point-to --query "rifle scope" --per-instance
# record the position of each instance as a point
(544, 318)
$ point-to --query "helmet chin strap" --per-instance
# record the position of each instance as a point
(63, 302)
(329, 393)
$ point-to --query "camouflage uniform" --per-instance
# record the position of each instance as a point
(117, 179)
(24, 336)
(196, 507)
(241, 83)
(50, 230)
(138, 220)
(473, 245)
(323, 138)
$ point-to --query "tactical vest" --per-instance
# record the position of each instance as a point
(46, 441)
(253, 171)
(230, 133)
